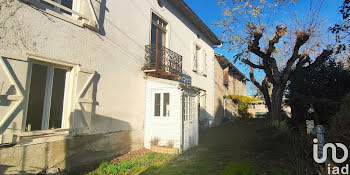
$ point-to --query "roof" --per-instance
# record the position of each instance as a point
(189, 13)
(224, 63)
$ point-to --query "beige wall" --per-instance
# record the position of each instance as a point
(257, 107)
(234, 87)
(116, 53)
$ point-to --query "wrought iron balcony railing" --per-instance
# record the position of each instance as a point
(162, 61)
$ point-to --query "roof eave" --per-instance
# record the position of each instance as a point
(191, 15)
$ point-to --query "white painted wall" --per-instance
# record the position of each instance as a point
(117, 55)
(164, 128)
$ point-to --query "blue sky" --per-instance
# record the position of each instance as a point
(209, 12)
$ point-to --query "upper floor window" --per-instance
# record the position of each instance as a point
(60, 6)
(199, 58)
(158, 31)
(78, 12)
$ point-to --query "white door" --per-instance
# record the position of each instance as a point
(190, 120)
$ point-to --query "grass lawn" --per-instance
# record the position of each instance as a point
(247, 145)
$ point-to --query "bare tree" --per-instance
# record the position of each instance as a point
(278, 78)
(298, 49)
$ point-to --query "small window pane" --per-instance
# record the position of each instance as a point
(57, 97)
(166, 106)
(36, 98)
(157, 105)
(68, 4)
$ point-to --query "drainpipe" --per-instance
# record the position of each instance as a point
(224, 107)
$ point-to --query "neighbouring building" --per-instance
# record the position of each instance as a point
(258, 109)
(83, 81)
(228, 81)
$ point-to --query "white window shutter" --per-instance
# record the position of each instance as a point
(91, 9)
(83, 100)
(194, 58)
(205, 64)
(13, 80)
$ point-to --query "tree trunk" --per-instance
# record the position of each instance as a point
(276, 103)
(298, 116)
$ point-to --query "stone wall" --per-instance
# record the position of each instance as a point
(224, 107)
(67, 153)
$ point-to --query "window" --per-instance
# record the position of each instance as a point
(226, 76)
(162, 103)
(46, 97)
(189, 106)
(166, 107)
(158, 39)
(199, 64)
(195, 60)
(158, 30)
(65, 3)
(157, 105)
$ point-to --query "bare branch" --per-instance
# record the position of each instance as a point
(280, 31)
(302, 38)
(249, 63)
(323, 57)
(253, 47)
(253, 80)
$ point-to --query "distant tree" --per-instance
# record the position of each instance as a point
(342, 30)
(321, 87)
(279, 55)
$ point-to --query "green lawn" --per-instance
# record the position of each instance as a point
(247, 146)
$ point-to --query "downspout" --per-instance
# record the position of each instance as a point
(224, 107)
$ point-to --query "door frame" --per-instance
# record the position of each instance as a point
(192, 125)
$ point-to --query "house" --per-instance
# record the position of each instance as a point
(258, 109)
(228, 81)
(84, 81)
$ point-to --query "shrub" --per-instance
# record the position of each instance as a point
(243, 104)
(280, 125)
(299, 155)
(155, 141)
(339, 129)
(170, 144)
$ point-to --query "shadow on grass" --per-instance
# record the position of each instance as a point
(247, 146)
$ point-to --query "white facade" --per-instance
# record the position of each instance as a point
(105, 90)
(180, 125)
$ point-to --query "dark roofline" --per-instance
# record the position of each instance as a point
(224, 63)
(189, 13)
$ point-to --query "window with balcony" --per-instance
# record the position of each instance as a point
(160, 60)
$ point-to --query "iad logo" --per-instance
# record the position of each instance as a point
(323, 152)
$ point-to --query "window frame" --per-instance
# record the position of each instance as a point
(75, 18)
(165, 30)
(71, 69)
(161, 108)
(199, 59)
